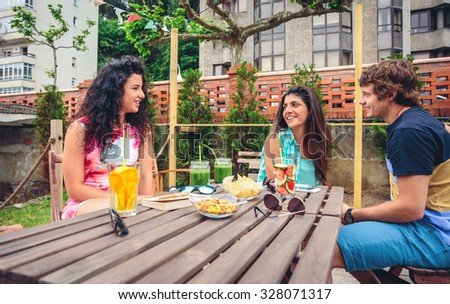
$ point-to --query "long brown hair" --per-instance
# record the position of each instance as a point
(317, 137)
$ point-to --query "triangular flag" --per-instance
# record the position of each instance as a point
(98, 2)
(133, 17)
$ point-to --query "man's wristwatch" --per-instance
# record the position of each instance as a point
(348, 218)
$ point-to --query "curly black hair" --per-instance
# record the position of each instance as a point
(103, 103)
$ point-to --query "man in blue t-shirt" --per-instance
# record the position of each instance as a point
(413, 228)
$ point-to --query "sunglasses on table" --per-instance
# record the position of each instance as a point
(117, 223)
(206, 189)
(294, 205)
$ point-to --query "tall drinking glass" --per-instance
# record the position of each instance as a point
(199, 173)
(285, 171)
(222, 169)
(123, 187)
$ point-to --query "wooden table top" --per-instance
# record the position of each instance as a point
(179, 246)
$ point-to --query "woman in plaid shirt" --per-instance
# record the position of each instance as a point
(300, 131)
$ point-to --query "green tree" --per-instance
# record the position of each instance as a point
(49, 106)
(245, 111)
(216, 24)
(193, 109)
(112, 43)
(25, 23)
(307, 76)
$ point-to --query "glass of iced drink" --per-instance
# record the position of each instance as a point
(285, 170)
(123, 187)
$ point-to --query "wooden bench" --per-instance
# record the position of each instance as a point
(248, 162)
(416, 274)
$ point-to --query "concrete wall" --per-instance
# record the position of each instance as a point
(18, 155)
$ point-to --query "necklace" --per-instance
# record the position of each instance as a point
(400, 112)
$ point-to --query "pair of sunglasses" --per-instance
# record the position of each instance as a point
(269, 184)
(207, 189)
(117, 223)
(295, 205)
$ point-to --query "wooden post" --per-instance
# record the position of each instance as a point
(358, 108)
(56, 133)
(173, 105)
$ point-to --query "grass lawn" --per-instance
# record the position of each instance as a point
(35, 212)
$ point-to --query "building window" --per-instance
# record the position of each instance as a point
(29, 3)
(15, 90)
(332, 39)
(75, 21)
(269, 45)
(423, 21)
(74, 82)
(16, 71)
(389, 28)
(447, 17)
(220, 69)
(7, 52)
(75, 2)
(74, 62)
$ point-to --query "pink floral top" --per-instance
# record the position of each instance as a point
(96, 170)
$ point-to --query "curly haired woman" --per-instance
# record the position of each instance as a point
(116, 101)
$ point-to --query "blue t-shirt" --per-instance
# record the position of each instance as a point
(416, 144)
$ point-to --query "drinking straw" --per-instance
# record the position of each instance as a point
(279, 144)
(199, 153)
(124, 135)
(215, 157)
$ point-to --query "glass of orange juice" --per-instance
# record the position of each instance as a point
(123, 187)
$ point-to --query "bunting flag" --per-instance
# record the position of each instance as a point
(151, 25)
(98, 2)
(119, 13)
(133, 17)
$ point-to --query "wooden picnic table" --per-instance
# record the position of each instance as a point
(179, 246)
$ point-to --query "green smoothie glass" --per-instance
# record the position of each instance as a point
(222, 169)
(199, 173)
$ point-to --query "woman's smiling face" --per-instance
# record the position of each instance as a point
(133, 94)
(295, 111)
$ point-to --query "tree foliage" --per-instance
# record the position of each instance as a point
(49, 105)
(195, 25)
(244, 111)
(25, 23)
(307, 76)
(112, 43)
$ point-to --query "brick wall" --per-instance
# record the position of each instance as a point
(337, 87)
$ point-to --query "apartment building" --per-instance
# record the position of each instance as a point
(420, 28)
(23, 64)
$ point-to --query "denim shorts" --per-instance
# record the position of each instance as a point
(376, 245)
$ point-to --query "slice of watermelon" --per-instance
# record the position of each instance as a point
(290, 186)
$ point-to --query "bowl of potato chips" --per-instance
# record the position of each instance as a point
(243, 187)
(215, 205)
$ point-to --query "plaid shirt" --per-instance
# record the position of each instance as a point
(306, 174)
